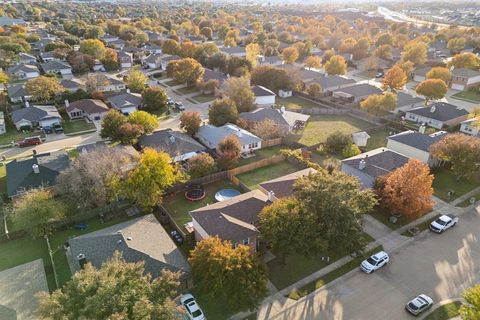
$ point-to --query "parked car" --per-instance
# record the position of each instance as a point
(47, 129)
(375, 262)
(30, 141)
(443, 223)
(176, 236)
(379, 75)
(193, 310)
(179, 106)
(57, 127)
(419, 304)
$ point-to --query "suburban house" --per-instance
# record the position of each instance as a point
(49, 56)
(263, 96)
(152, 61)
(373, 63)
(140, 239)
(126, 102)
(23, 71)
(304, 74)
(285, 120)
(57, 68)
(153, 49)
(178, 145)
(437, 115)
(92, 109)
(214, 75)
(234, 51)
(36, 116)
(415, 145)
(369, 166)
(464, 79)
(108, 38)
(406, 102)
(26, 58)
(330, 83)
(236, 219)
(72, 85)
(166, 59)
(210, 136)
(38, 171)
(17, 93)
(108, 84)
(356, 93)
(471, 126)
(272, 60)
(98, 66)
(125, 59)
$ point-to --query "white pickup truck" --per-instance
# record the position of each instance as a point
(443, 223)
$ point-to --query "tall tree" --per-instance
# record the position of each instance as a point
(118, 290)
(470, 310)
(110, 124)
(136, 80)
(238, 89)
(149, 122)
(384, 51)
(229, 150)
(222, 111)
(466, 60)
(462, 152)
(415, 52)
(93, 47)
(271, 77)
(379, 104)
(252, 51)
(226, 275)
(408, 190)
(36, 212)
(171, 46)
(432, 89)
(201, 165)
(110, 60)
(43, 88)
(190, 121)
(395, 79)
(441, 73)
(313, 62)
(456, 44)
(336, 65)
(290, 55)
(154, 99)
(3, 77)
(186, 70)
(146, 184)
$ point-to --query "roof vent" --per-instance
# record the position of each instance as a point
(129, 238)
(362, 164)
(119, 232)
(35, 168)
(239, 132)
(119, 242)
(171, 138)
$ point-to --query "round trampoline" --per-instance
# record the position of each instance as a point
(196, 194)
(226, 194)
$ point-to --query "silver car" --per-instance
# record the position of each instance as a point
(419, 304)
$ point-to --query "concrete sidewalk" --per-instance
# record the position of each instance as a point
(466, 196)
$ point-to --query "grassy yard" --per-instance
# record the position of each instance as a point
(253, 178)
(445, 312)
(329, 277)
(202, 98)
(462, 204)
(383, 215)
(74, 126)
(378, 139)
(161, 114)
(320, 127)
(12, 135)
(421, 226)
(470, 96)
(3, 179)
(296, 103)
(171, 83)
(187, 90)
(326, 159)
(445, 181)
(178, 206)
(262, 154)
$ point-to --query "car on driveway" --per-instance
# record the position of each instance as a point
(179, 106)
(443, 223)
(419, 304)
(193, 310)
(375, 262)
(379, 75)
(57, 127)
(47, 129)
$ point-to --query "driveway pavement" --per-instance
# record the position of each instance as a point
(441, 266)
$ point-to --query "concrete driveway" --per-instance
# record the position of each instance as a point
(441, 266)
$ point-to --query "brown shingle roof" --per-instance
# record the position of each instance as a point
(283, 186)
(88, 106)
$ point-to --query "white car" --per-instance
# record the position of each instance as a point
(443, 223)
(375, 262)
(193, 310)
(419, 304)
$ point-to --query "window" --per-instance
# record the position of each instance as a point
(234, 245)
(246, 242)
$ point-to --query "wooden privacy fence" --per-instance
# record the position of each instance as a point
(272, 142)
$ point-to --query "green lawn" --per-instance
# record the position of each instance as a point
(3, 179)
(202, 98)
(296, 103)
(12, 135)
(421, 226)
(74, 126)
(262, 154)
(470, 96)
(171, 83)
(178, 206)
(445, 181)
(466, 202)
(320, 127)
(445, 312)
(378, 139)
(253, 178)
(187, 90)
(326, 159)
(161, 114)
(383, 215)
(329, 277)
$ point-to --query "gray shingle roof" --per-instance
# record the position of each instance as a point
(417, 140)
(174, 143)
(404, 99)
(378, 162)
(89, 106)
(261, 114)
(467, 73)
(55, 66)
(233, 50)
(328, 81)
(125, 100)
(16, 90)
(213, 75)
(360, 90)
(22, 67)
(260, 91)
(283, 186)
(35, 113)
(213, 135)
(440, 111)
(141, 239)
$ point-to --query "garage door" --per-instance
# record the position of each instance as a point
(456, 86)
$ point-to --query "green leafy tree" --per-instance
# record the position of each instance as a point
(456, 44)
(470, 310)
(110, 124)
(351, 151)
(201, 165)
(117, 290)
(190, 121)
(337, 141)
(43, 88)
(222, 111)
(147, 121)
(314, 90)
(226, 275)
(93, 47)
(186, 70)
(136, 80)
(432, 89)
(229, 150)
(146, 184)
(171, 46)
(238, 89)
(271, 77)
(36, 211)
(336, 65)
(384, 51)
(154, 99)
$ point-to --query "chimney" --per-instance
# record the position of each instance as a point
(362, 164)
(67, 103)
(128, 90)
(27, 104)
(421, 129)
(35, 168)
(271, 195)
(239, 133)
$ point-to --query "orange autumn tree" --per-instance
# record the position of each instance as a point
(408, 190)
